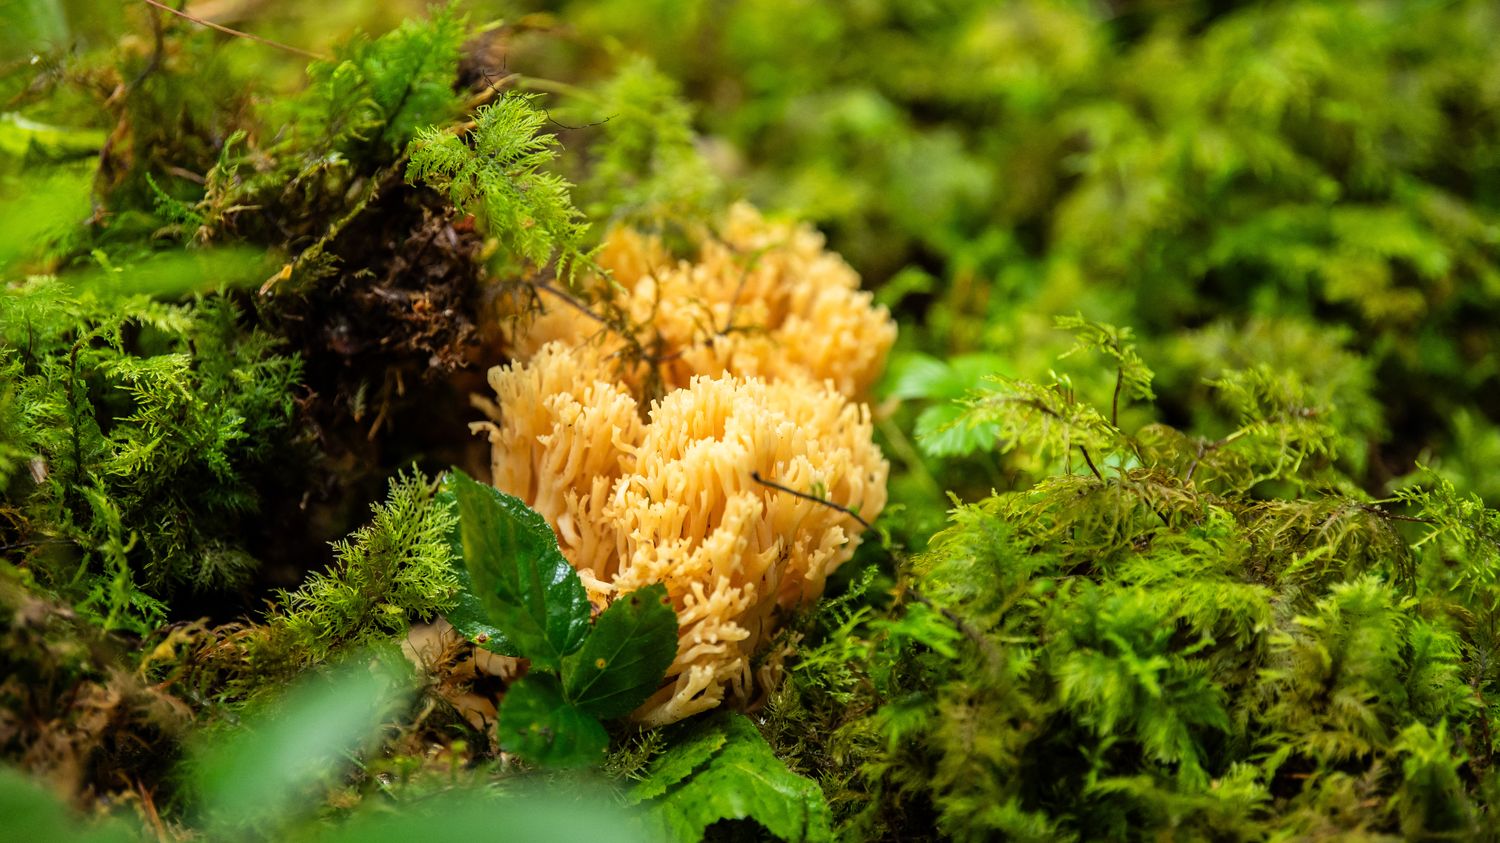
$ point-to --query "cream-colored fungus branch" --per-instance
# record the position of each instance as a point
(764, 299)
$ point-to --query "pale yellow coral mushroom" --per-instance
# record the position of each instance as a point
(737, 555)
(764, 348)
(764, 299)
(675, 500)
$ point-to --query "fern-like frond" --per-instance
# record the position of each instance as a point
(391, 571)
(498, 171)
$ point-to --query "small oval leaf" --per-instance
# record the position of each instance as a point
(625, 655)
(538, 725)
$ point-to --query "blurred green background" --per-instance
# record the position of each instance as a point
(1310, 185)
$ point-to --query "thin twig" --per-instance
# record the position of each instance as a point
(1114, 407)
(652, 358)
(1090, 460)
(739, 289)
(1193, 467)
(1392, 516)
(158, 48)
(543, 286)
(985, 645)
(755, 475)
(235, 32)
(561, 125)
(148, 804)
(35, 543)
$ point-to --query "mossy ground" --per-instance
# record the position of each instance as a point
(1229, 575)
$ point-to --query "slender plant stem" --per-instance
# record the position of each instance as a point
(235, 32)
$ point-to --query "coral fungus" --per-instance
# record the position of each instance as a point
(694, 495)
(763, 299)
(676, 500)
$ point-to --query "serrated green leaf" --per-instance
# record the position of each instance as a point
(685, 755)
(541, 727)
(530, 593)
(624, 656)
(742, 780)
(468, 614)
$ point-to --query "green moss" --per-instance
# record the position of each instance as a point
(1182, 600)
(1162, 166)
(389, 572)
(1174, 635)
(142, 426)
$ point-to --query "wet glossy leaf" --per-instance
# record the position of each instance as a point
(469, 615)
(531, 595)
(625, 655)
(541, 727)
(742, 780)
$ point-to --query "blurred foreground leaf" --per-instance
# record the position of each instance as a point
(37, 209)
(174, 274)
(554, 815)
(29, 811)
(31, 25)
(271, 764)
(20, 137)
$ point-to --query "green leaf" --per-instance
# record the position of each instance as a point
(541, 727)
(39, 207)
(468, 614)
(172, 274)
(915, 375)
(742, 779)
(940, 428)
(31, 812)
(20, 136)
(263, 769)
(625, 655)
(535, 814)
(680, 761)
(530, 592)
(943, 431)
(31, 26)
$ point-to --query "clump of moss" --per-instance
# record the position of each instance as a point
(142, 428)
(394, 570)
(71, 712)
(1168, 634)
(372, 286)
